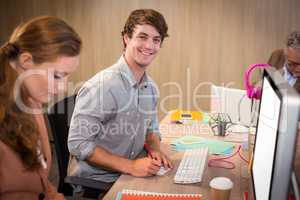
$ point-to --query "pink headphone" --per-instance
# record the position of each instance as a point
(252, 92)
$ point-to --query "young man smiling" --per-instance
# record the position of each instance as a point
(115, 111)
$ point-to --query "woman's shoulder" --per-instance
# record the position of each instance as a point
(4, 149)
(3, 146)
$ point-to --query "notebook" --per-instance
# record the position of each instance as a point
(141, 195)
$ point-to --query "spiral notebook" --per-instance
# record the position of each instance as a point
(141, 195)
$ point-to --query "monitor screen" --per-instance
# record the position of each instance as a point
(295, 179)
(266, 138)
(276, 135)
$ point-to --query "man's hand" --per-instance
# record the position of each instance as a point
(154, 151)
(144, 167)
(161, 158)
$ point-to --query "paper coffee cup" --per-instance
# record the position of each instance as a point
(220, 188)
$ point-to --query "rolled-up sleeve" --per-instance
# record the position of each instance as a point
(94, 106)
(154, 123)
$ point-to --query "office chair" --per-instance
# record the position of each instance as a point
(59, 116)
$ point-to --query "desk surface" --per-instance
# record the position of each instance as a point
(165, 183)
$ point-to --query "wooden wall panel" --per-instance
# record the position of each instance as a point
(211, 41)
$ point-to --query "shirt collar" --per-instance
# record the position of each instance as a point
(127, 74)
(288, 76)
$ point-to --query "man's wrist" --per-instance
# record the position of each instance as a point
(157, 150)
(154, 146)
(127, 166)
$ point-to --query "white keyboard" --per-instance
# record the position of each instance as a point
(192, 166)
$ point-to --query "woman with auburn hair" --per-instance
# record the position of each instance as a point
(39, 56)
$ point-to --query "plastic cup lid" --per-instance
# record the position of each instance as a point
(221, 183)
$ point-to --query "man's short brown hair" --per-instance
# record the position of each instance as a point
(145, 16)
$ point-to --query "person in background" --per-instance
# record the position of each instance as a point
(115, 111)
(288, 60)
(38, 57)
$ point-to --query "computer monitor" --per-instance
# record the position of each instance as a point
(275, 139)
(295, 179)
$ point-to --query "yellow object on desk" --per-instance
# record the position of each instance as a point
(183, 116)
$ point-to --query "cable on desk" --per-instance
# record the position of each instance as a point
(230, 165)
